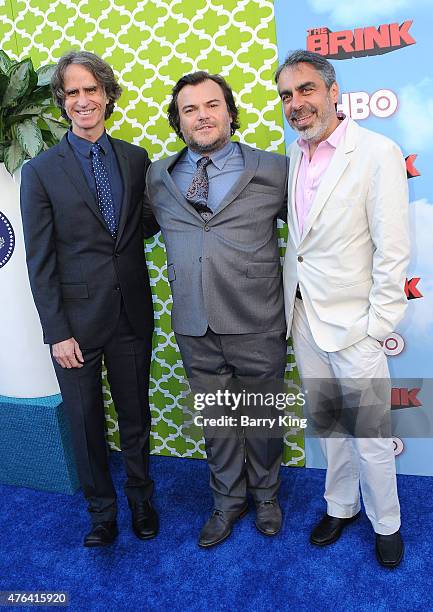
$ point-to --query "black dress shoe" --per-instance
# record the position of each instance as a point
(219, 526)
(389, 549)
(102, 534)
(144, 520)
(269, 517)
(329, 529)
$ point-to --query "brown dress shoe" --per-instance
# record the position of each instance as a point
(269, 517)
(219, 526)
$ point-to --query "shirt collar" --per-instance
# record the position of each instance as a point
(83, 146)
(219, 158)
(332, 140)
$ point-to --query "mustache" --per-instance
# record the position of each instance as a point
(306, 109)
(204, 124)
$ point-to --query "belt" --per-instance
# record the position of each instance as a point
(298, 293)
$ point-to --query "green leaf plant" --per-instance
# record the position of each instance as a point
(28, 117)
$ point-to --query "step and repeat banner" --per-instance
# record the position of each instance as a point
(151, 44)
(382, 56)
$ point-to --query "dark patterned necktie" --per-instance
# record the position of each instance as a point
(103, 189)
(198, 191)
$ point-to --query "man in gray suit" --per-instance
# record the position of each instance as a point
(217, 204)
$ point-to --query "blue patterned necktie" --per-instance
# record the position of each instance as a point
(103, 189)
(198, 191)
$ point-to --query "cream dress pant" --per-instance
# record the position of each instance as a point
(353, 462)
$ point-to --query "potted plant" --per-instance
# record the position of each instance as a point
(27, 111)
(28, 125)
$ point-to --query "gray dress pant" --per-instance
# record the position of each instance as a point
(238, 462)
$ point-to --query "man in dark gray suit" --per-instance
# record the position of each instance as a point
(217, 204)
(84, 220)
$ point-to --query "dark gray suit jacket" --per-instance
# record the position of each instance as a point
(78, 272)
(225, 273)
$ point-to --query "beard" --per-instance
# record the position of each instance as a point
(317, 131)
(209, 146)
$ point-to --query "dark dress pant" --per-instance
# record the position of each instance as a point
(127, 359)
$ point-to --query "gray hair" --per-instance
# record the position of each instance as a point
(102, 72)
(325, 68)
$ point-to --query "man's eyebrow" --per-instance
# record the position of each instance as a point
(306, 84)
(72, 89)
(285, 92)
(194, 105)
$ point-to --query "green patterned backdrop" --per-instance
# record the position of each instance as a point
(150, 44)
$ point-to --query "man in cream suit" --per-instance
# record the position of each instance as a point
(344, 276)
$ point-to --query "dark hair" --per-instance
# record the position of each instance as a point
(194, 79)
(102, 72)
(325, 68)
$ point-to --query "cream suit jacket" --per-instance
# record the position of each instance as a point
(351, 259)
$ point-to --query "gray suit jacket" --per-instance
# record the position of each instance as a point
(225, 273)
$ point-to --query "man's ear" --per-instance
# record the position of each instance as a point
(333, 92)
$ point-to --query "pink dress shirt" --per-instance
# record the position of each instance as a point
(311, 171)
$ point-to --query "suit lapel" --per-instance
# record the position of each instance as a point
(251, 159)
(173, 188)
(292, 217)
(333, 173)
(73, 170)
(122, 159)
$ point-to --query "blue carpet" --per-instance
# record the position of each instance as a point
(41, 549)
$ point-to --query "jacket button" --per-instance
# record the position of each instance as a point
(199, 258)
(206, 228)
(116, 255)
(300, 258)
(117, 287)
